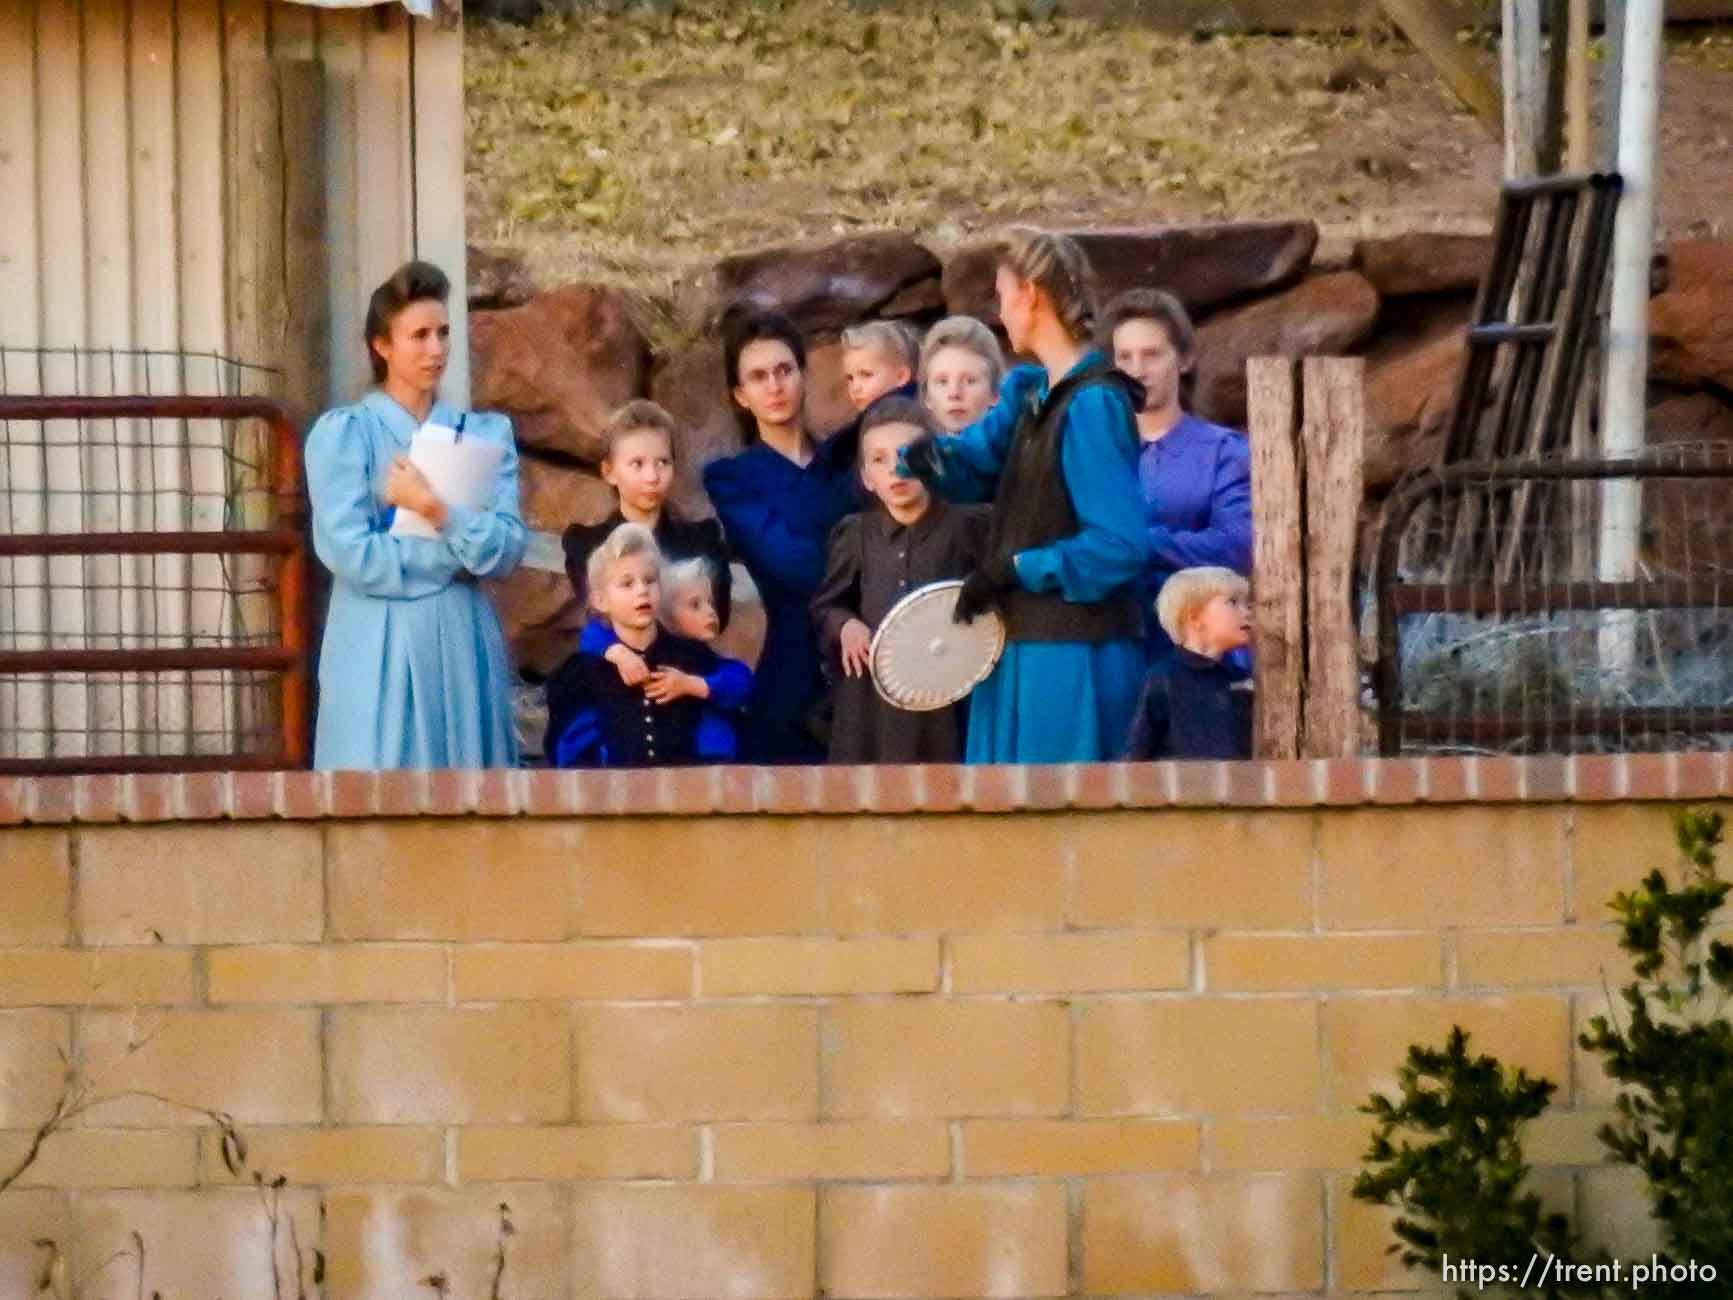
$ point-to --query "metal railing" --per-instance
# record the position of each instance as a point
(152, 649)
(1536, 648)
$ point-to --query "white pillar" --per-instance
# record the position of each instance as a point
(1624, 396)
(1523, 92)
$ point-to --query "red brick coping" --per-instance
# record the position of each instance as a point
(696, 791)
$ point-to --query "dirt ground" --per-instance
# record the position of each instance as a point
(637, 148)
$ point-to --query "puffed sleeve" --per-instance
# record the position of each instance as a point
(490, 542)
(1226, 540)
(973, 458)
(837, 599)
(759, 533)
(1098, 456)
(345, 532)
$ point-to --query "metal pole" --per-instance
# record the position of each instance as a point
(1522, 87)
(1579, 130)
(1624, 397)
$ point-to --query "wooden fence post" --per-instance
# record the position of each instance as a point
(1334, 438)
(1278, 571)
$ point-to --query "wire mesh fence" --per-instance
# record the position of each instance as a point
(145, 539)
(1559, 605)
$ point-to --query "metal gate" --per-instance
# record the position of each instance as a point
(126, 646)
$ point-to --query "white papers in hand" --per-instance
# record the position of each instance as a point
(459, 470)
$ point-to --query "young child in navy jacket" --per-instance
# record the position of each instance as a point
(1196, 704)
(599, 718)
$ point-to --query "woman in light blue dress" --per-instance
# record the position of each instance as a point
(412, 670)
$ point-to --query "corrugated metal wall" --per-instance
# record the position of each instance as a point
(128, 223)
(113, 169)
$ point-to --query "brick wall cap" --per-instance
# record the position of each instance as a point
(700, 791)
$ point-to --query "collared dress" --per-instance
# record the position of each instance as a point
(875, 562)
(1061, 701)
(412, 668)
(1196, 481)
(777, 516)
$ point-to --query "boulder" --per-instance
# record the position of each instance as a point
(922, 301)
(559, 365)
(1408, 394)
(1691, 417)
(1686, 529)
(1326, 315)
(1204, 265)
(538, 610)
(688, 385)
(827, 404)
(743, 638)
(1418, 262)
(824, 287)
(1691, 323)
(497, 277)
(553, 494)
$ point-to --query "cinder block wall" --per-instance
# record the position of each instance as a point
(1107, 1051)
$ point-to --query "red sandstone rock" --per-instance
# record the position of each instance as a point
(1418, 262)
(1203, 265)
(1688, 529)
(538, 610)
(497, 277)
(827, 286)
(827, 404)
(1691, 324)
(1408, 398)
(1326, 315)
(559, 365)
(688, 385)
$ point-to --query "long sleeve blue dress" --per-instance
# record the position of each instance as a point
(778, 516)
(412, 670)
(1197, 491)
(1061, 701)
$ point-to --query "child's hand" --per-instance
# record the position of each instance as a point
(668, 684)
(633, 670)
(856, 640)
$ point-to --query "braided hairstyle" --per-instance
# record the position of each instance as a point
(1054, 264)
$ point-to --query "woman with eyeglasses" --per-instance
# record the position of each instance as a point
(778, 500)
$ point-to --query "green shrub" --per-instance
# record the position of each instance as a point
(1447, 1153)
(1674, 1056)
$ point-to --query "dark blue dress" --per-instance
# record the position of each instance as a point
(778, 517)
(1197, 494)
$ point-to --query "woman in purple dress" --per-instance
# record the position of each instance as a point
(1195, 476)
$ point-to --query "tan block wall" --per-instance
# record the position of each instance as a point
(870, 1057)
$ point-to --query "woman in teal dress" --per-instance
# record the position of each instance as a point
(412, 670)
(1057, 456)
